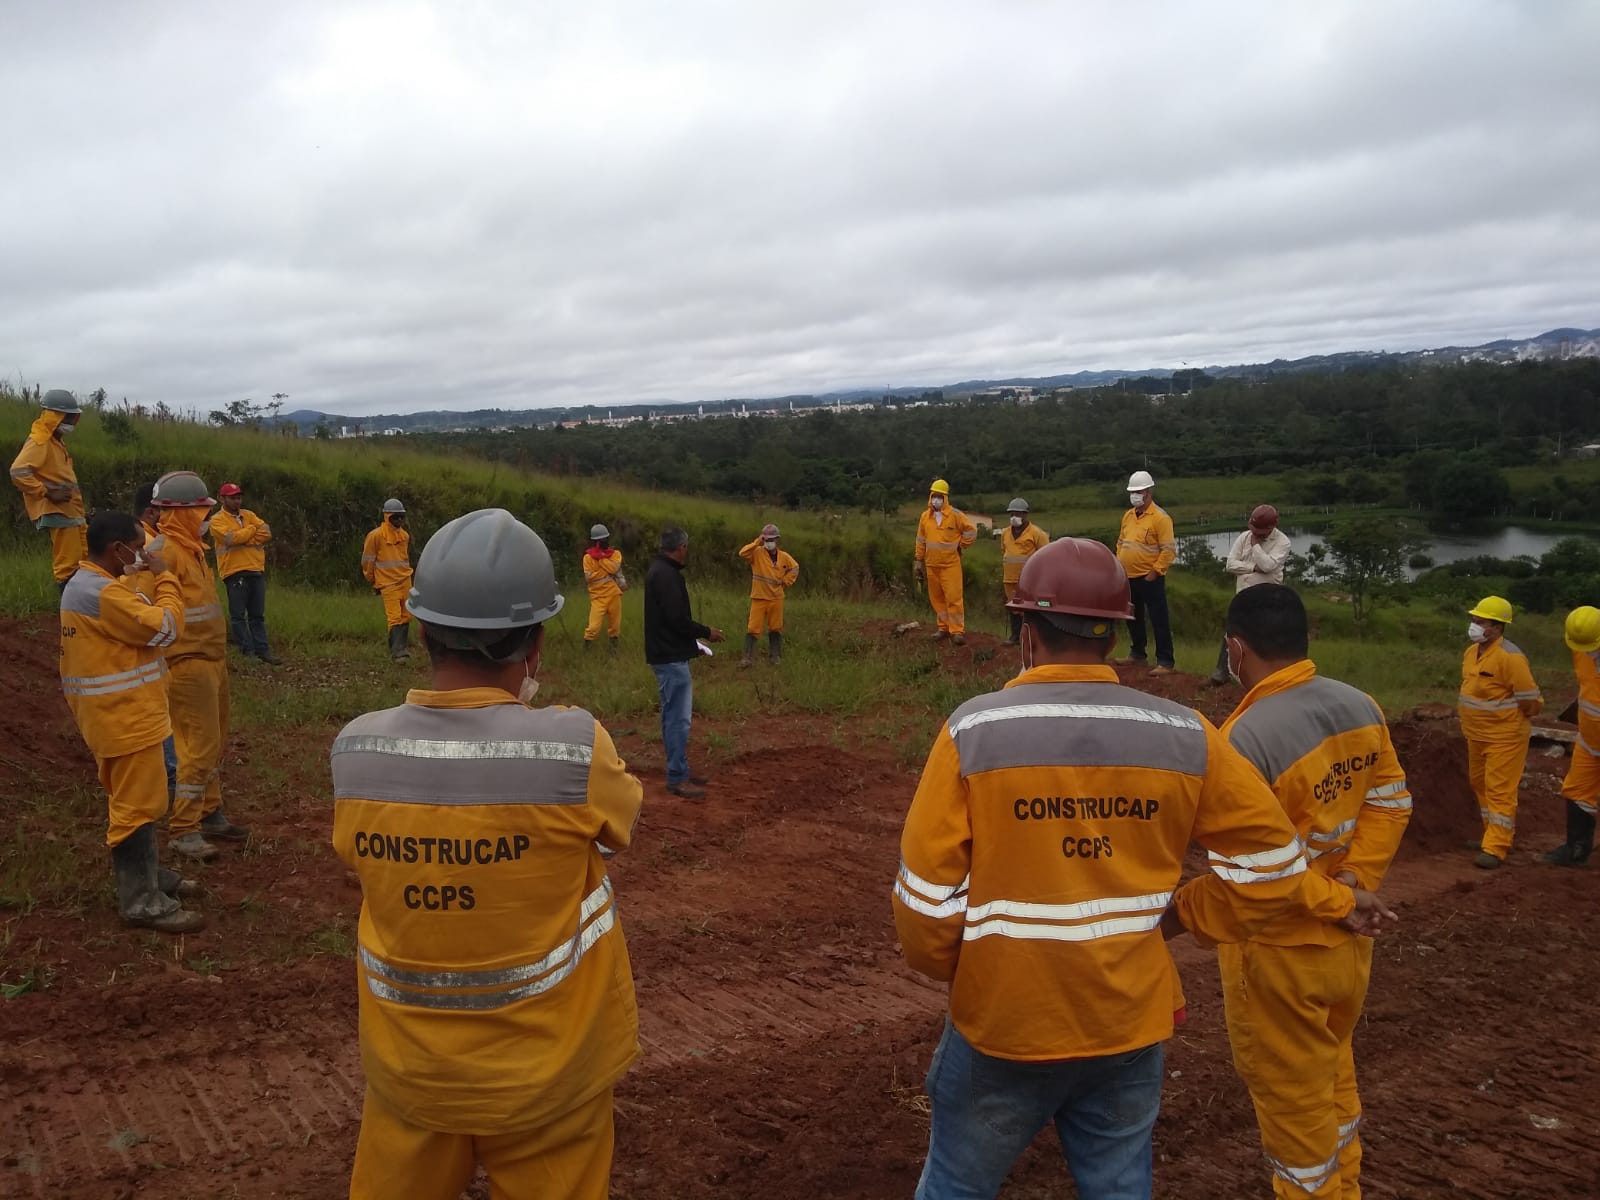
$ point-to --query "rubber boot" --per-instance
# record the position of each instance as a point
(775, 648)
(140, 899)
(614, 643)
(217, 825)
(399, 642)
(749, 650)
(174, 884)
(588, 645)
(1580, 840)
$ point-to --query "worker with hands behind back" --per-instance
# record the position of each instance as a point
(1581, 788)
(496, 1001)
(1294, 990)
(1020, 541)
(772, 573)
(1498, 702)
(113, 673)
(602, 574)
(943, 533)
(1042, 848)
(386, 566)
(44, 474)
(1147, 548)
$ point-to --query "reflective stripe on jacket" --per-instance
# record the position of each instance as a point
(1044, 843)
(1324, 749)
(1587, 668)
(205, 633)
(240, 540)
(386, 556)
(1494, 685)
(942, 536)
(113, 672)
(601, 575)
(770, 575)
(42, 461)
(1016, 550)
(1146, 542)
(495, 992)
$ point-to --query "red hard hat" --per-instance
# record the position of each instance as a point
(1076, 576)
(230, 489)
(1263, 516)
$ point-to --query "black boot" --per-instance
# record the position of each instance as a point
(775, 648)
(140, 899)
(1580, 839)
(614, 644)
(749, 650)
(399, 642)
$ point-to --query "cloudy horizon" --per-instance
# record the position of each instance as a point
(403, 206)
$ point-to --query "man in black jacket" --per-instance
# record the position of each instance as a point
(670, 634)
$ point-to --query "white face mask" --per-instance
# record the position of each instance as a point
(1018, 522)
(1138, 499)
(63, 430)
(1233, 671)
(1477, 633)
(771, 543)
(1027, 647)
(936, 503)
(529, 688)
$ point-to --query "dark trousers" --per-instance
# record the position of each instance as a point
(247, 612)
(1150, 599)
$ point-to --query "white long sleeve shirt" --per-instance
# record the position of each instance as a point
(1255, 562)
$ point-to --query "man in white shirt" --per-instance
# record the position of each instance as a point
(1257, 556)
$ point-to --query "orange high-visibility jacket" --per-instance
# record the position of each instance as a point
(43, 461)
(1587, 668)
(204, 633)
(1015, 550)
(1492, 685)
(495, 990)
(386, 557)
(769, 577)
(1047, 838)
(240, 540)
(112, 667)
(942, 536)
(1324, 749)
(601, 575)
(1146, 542)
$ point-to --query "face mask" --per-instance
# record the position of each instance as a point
(1233, 671)
(1137, 499)
(63, 430)
(1018, 522)
(936, 503)
(529, 688)
(134, 565)
(1027, 647)
(1477, 633)
(771, 543)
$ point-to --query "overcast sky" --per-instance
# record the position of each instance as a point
(386, 207)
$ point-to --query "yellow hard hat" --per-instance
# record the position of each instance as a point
(1492, 608)
(1583, 629)
(941, 487)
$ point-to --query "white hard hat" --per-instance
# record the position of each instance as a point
(1140, 481)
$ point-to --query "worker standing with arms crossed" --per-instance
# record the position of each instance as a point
(1257, 556)
(1498, 702)
(1294, 991)
(197, 689)
(943, 533)
(1581, 787)
(1038, 862)
(113, 675)
(496, 1000)
(44, 474)
(602, 572)
(386, 565)
(1020, 541)
(772, 573)
(240, 539)
(1147, 548)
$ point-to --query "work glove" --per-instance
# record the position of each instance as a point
(918, 571)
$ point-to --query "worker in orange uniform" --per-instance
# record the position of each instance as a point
(240, 539)
(1294, 991)
(44, 474)
(1021, 539)
(197, 688)
(772, 573)
(943, 533)
(113, 675)
(602, 572)
(1581, 788)
(1498, 702)
(1147, 548)
(496, 1000)
(144, 582)
(1038, 862)
(386, 564)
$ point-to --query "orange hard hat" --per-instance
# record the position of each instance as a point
(1074, 577)
(1263, 516)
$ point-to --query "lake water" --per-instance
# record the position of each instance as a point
(1509, 541)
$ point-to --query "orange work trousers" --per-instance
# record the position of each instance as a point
(69, 545)
(1582, 784)
(569, 1158)
(197, 697)
(394, 603)
(944, 593)
(766, 616)
(136, 791)
(606, 613)
(1291, 1011)
(1495, 769)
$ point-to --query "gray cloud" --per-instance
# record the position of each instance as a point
(383, 207)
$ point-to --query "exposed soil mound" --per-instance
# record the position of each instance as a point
(39, 744)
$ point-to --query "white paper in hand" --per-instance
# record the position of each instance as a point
(704, 649)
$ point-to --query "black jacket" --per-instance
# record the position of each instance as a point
(669, 628)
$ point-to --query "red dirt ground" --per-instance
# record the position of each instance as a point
(784, 1040)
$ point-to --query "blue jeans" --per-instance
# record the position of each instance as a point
(987, 1110)
(247, 612)
(169, 757)
(677, 707)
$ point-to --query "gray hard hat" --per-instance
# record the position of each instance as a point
(181, 489)
(596, 532)
(770, 530)
(485, 571)
(61, 401)
(391, 505)
(1018, 505)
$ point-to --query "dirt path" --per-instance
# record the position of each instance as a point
(784, 1042)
